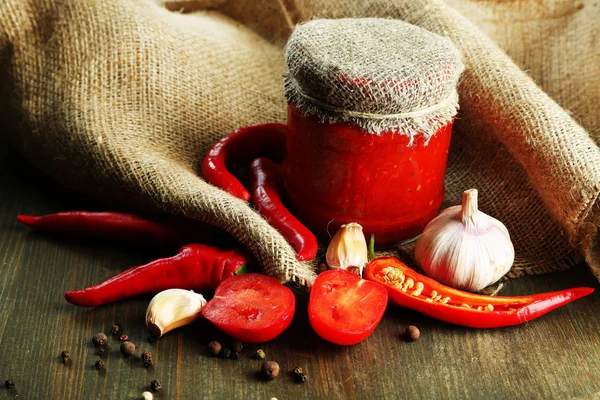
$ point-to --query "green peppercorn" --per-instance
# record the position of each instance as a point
(99, 339)
(66, 356)
(147, 359)
(155, 386)
(225, 352)
(237, 346)
(412, 333)
(260, 354)
(127, 348)
(99, 365)
(115, 328)
(9, 384)
(214, 348)
(269, 370)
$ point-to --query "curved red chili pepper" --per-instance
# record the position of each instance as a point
(237, 150)
(263, 176)
(151, 231)
(459, 307)
(196, 267)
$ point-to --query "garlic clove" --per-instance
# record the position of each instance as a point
(171, 309)
(465, 248)
(348, 248)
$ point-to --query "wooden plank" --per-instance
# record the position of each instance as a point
(557, 356)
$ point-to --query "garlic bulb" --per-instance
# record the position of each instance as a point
(348, 248)
(171, 309)
(465, 248)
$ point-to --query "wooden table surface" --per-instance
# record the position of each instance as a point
(556, 356)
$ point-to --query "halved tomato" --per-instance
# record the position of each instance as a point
(344, 308)
(251, 307)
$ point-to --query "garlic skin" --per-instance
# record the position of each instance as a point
(171, 309)
(465, 248)
(348, 248)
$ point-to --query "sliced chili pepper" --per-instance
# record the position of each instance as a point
(151, 231)
(237, 150)
(196, 267)
(263, 176)
(407, 288)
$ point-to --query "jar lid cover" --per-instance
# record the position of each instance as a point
(380, 74)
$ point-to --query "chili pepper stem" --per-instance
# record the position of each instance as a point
(244, 269)
(372, 247)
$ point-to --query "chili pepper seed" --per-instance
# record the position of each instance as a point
(412, 333)
(147, 396)
(269, 370)
(147, 359)
(260, 354)
(9, 384)
(127, 349)
(155, 385)
(214, 348)
(99, 339)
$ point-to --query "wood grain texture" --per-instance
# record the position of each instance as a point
(557, 356)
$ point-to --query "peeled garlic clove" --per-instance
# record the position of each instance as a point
(465, 248)
(171, 309)
(348, 248)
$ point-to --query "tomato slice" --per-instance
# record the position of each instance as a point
(251, 307)
(344, 308)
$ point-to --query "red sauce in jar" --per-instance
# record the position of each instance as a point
(339, 173)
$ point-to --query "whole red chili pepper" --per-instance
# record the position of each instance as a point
(152, 231)
(263, 176)
(196, 267)
(407, 288)
(237, 150)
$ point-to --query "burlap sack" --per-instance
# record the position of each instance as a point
(121, 99)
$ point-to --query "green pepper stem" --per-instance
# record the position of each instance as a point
(243, 269)
(372, 247)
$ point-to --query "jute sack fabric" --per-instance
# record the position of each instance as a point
(121, 99)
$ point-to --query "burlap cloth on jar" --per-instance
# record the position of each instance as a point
(122, 98)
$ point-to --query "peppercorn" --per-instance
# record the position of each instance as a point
(412, 333)
(65, 355)
(214, 348)
(99, 365)
(234, 356)
(155, 386)
(270, 370)
(127, 348)
(260, 354)
(9, 384)
(300, 378)
(99, 339)
(123, 338)
(101, 351)
(225, 352)
(115, 328)
(237, 346)
(147, 359)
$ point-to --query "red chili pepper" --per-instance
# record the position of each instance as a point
(237, 150)
(196, 267)
(407, 288)
(263, 175)
(152, 231)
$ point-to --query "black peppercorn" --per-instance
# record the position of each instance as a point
(412, 333)
(270, 370)
(237, 346)
(234, 356)
(300, 378)
(99, 339)
(9, 383)
(127, 348)
(155, 385)
(260, 354)
(65, 355)
(225, 352)
(101, 351)
(147, 359)
(115, 328)
(99, 365)
(214, 348)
